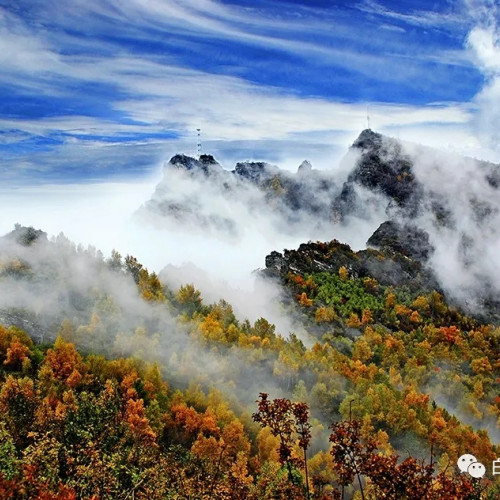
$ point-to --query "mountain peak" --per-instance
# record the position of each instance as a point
(206, 163)
(368, 139)
(255, 170)
(304, 168)
(384, 167)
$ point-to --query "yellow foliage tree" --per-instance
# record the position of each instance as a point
(304, 300)
(325, 315)
(343, 273)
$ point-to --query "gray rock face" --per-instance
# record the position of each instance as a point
(382, 167)
(192, 191)
(387, 267)
(28, 322)
(255, 171)
(206, 164)
(406, 239)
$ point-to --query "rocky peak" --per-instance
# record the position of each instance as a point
(304, 168)
(255, 171)
(205, 163)
(388, 267)
(385, 167)
(406, 239)
(382, 167)
(368, 139)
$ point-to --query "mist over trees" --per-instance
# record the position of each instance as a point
(340, 373)
(134, 388)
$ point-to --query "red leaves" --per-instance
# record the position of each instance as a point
(29, 485)
(284, 419)
(278, 416)
(302, 426)
(387, 478)
(348, 452)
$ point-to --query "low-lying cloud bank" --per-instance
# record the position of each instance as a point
(215, 230)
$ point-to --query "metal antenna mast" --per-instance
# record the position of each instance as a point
(198, 147)
(368, 117)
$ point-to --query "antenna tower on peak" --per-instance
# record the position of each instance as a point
(198, 147)
(368, 117)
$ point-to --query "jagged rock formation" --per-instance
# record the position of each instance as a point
(383, 178)
(190, 186)
(206, 164)
(435, 208)
(388, 268)
(311, 196)
(382, 167)
(405, 239)
(255, 171)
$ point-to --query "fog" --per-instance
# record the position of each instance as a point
(467, 240)
(227, 234)
(57, 282)
(220, 263)
(75, 284)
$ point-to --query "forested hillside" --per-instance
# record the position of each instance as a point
(124, 388)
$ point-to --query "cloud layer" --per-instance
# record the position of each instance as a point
(97, 89)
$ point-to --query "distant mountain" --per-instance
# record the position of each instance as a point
(431, 206)
(202, 195)
(382, 176)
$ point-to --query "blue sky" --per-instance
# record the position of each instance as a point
(106, 89)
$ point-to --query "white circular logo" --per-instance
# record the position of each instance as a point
(476, 470)
(464, 461)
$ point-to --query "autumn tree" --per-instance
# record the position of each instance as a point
(189, 299)
(389, 478)
(349, 452)
(286, 420)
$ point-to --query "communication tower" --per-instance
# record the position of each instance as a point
(198, 147)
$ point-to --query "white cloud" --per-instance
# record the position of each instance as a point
(428, 18)
(484, 43)
(159, 94)
(22, 52)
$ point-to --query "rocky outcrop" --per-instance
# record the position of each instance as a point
(255, 171)
(202, 195)
(28, 322)
(406, 239)
(384, 168)
(387, 267)
(205, 164)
